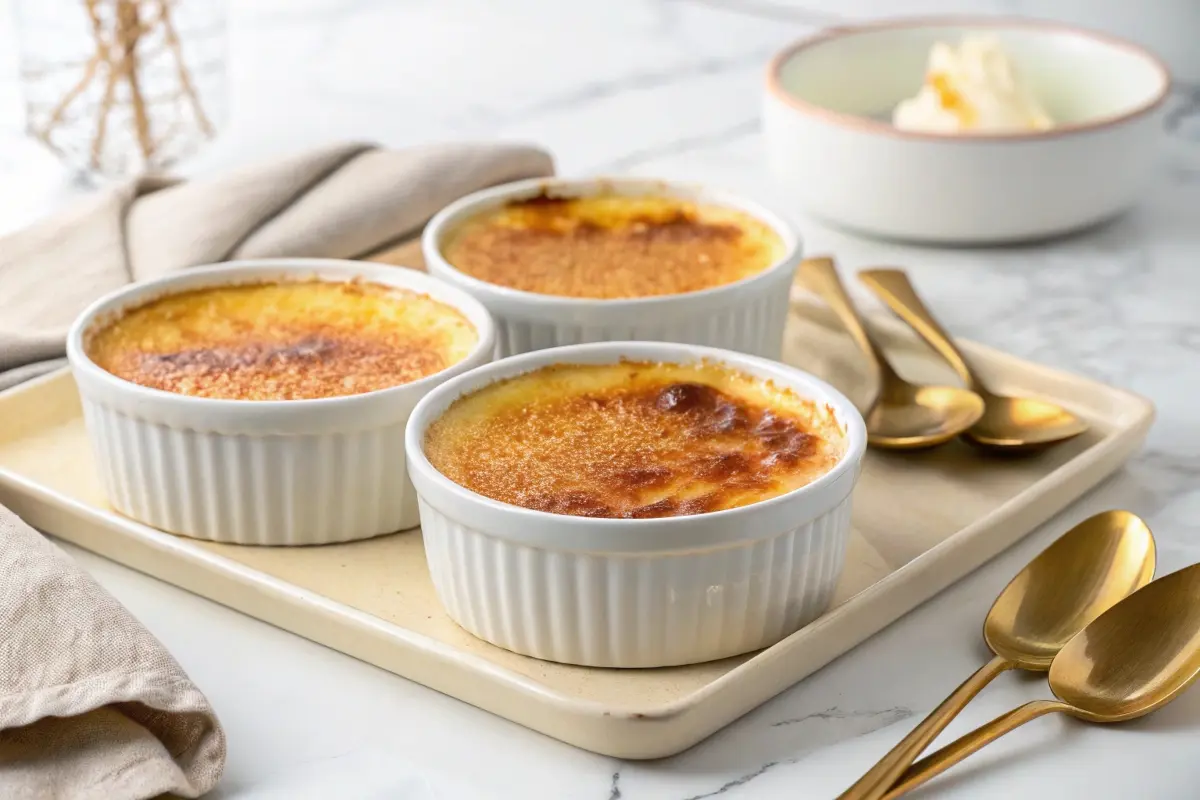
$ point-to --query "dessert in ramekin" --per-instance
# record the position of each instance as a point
(264, 402)
(635, 504)
(831, 102)
(562, 262)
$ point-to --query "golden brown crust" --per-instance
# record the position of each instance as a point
(283, 341)
(612, 246)
(650, 442)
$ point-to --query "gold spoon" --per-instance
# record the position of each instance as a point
(902, 416)
(1082, 574)
(1133, 659)
(1009, 423)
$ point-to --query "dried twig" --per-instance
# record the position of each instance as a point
(91, 67)
(89, 73)
(106, 103)
(185, 79)
(129, 31)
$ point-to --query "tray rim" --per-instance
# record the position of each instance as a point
(1131, 416)
(167, 542)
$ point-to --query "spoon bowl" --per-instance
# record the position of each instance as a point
(903, 416)
(913, 417)
(1008, 424)
(1086, 571)
(1137, 656)
(1023, 423)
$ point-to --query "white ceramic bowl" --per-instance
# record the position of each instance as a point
(291, 472)
(834, 152)
(747, 316)
(635, 593)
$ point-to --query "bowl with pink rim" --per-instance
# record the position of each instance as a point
(835, 152)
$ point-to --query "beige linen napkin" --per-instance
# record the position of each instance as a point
(91, 704)
(343, 201)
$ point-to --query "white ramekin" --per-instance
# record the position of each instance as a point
(833, 152)
(292, 472)
(747, 316)
(635, 593)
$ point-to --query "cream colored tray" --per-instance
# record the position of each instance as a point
(921, 522)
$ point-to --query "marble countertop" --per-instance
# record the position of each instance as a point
(671, 88)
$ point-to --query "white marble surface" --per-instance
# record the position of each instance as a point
(670, 88)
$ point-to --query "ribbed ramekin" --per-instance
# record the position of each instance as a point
(291, 472)
(635, 593)
(747, 316)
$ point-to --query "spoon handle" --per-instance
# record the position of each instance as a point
(894, 288)
(968, 744)
(879, 779)
(821, 276)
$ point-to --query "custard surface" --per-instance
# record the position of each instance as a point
(612, 246)
(286, 340)
(634, 440)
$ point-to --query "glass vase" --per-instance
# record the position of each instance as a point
(117, 88)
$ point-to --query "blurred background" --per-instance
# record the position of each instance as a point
(669, 87)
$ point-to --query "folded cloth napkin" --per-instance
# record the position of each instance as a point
(91, 705)
(344, 201)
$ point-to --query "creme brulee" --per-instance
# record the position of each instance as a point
(612, 246)
(634, 440)
(286, 340)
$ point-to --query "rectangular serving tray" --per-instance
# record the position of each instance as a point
(921, 521)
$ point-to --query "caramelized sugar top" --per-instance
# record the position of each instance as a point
(296, 340)
(612, 246)
(633, 440)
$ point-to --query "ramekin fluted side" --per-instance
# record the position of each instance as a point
(752, 325)
(260, 472)
(293, 489)
(635, 609)
(745, 316)
(638, 593)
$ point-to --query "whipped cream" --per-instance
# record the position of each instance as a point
(973, 87)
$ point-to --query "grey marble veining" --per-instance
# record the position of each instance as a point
(671, 88)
